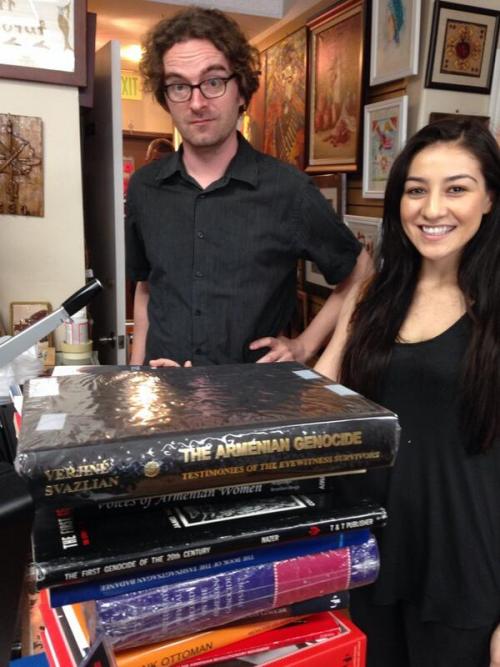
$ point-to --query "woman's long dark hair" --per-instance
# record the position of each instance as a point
(381, 312)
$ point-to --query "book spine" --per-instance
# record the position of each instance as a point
(63, 570)
(174, 652)
(140, 618)
(236, 492)
(95, 590)
(348, 648)
(315, 626)
(187, 462)
(58, 645)
(339, 600)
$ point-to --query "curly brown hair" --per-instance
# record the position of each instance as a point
(199, 23)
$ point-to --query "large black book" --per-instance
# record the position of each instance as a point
(71, 546)
(151, 432)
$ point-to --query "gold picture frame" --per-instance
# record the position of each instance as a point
(336, 59)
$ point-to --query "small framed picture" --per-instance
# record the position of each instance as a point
(314, 276)
(333, 188)
(366, 230)
(462, 47)
(385, 134)
(395, 36)
(434, 116)
(25, 313)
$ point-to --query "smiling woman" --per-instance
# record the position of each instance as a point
(423, 340)
(443, 203)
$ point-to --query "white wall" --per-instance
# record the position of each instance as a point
(425, 100)
(145, 115)
(42, 259)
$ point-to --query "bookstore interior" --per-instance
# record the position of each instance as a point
(159, 515)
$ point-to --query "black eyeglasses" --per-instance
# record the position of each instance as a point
(209, 88)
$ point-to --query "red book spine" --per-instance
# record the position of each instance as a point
(57, 647)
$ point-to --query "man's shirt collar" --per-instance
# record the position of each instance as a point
(243, 166)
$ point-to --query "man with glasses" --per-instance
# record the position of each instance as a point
(214, 231)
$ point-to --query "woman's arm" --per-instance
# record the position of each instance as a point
(304, 346)
(330, 361)
(495, 648)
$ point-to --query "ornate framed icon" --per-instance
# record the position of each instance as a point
(462, 47)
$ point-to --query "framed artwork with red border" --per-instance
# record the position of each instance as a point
(462, 47)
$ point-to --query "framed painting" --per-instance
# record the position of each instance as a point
(462, 48)
(366, 230)
(285, 103)
(254, 117)
(336, 48)
(441, 115)
(333, 189)
(25, 313)
(384, 136)
(395, 33)
(47, 43)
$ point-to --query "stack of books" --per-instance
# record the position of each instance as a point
(174, 501)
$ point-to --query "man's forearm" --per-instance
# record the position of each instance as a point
(323, 325)
(141, 323)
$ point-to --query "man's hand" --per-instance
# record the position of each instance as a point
(161, 363)
(281, 349)
(495, 648)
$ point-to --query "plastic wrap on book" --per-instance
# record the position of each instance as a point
(98, 590)
(139, 618)
(110, 436)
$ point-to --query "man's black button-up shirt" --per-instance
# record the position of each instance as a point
(221, 262)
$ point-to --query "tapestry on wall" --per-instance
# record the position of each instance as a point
(254, 117)
(285, 105)
(21, 165)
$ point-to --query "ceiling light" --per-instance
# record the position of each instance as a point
(133, 53)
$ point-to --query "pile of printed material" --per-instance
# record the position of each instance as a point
(188, 516)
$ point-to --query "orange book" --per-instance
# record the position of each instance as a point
(185, 648)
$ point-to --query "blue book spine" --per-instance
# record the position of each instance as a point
(150, 616)
(99, 590)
